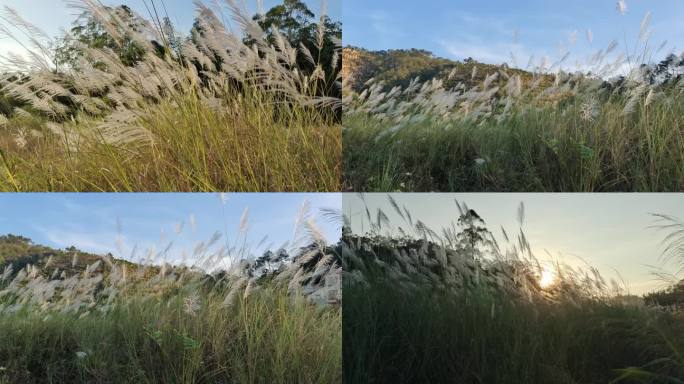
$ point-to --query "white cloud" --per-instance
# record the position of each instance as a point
(489, 40)
(491, 53)
(8, 45)
(92, 242)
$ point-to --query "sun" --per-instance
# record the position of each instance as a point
(548, 277)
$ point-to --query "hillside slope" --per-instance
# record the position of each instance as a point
(20, 252)
(399, 67)
(314, 270)
(101, 321)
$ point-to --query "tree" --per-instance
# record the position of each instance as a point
(297, 24)
(268, 262)
(89, 32)
(292, 18)
(175, 40)
(15, 239)
(671, 296)
(667, 69)
(473, 233)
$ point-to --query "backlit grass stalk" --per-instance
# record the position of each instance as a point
(218, 114)
(419, 308)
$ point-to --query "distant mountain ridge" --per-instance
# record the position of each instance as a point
(19, 252)
(397, 67)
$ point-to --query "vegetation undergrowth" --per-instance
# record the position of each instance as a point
(265, 338)
(453, 306)
(477, 337)
(244, 147)
(124, 103)
(547, 149)
(219, 314)
(612, 124)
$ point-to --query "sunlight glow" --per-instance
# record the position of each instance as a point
(548, 277)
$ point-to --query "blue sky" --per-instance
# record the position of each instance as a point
(53, 15)
(489, 30)
(97, 222)
(608, 231)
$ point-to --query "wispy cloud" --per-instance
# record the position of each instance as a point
(497, 53)
(119, 223)
(384, 25)
(459, 29)
(495, 26)
(487, 39)
(102, 242)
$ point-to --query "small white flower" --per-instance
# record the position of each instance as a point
(81, 354)
(589, 110)
(480, 161)
(20, 139)
(191, 304)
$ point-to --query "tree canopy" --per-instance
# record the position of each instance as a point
(292, 19)
(87, 31)
(299, 26)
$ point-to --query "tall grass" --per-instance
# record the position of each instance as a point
(420, 308)
(222, 316)
(266, 338)
(209, 113)
(240, 148)
(548, 149)
(480, 337)
(597, 129)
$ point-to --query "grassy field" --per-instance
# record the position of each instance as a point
(138, 106)
(614, 125)
(455, 306)
(267, 338)
(196, 148)
(548, 149)
(83, 318)
(480, 337)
